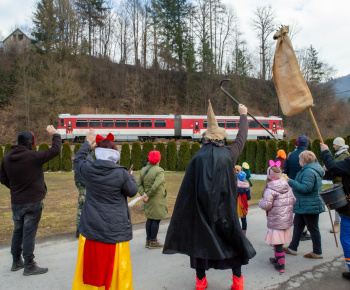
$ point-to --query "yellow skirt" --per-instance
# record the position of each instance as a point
(122, 275)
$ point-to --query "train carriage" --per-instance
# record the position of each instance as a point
(150, 127)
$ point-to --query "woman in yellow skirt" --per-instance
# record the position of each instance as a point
(105, 227)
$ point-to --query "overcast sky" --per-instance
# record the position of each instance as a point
(325, 24)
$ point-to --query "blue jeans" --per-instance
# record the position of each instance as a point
(26, 219)
(345, 238)
(244, 223)
(152, 227)
(311, 221)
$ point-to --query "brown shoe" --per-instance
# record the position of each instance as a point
(147, 243)
(155, 245)
(336, 227)
(289, 251)
(313, 256)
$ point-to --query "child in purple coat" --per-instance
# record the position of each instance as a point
(278, 200)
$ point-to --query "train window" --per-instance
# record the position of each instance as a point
(279, 124)
(205, 124)
(69, 125)
(231, 124)
(265, 123)
(107, 123)
(146, 123)
(133, 123)
(253, 124)
(221, 124)
(81, 123)
(120, 123)
(160, 123)
(95, 123)
(196, 126)
(62, 122)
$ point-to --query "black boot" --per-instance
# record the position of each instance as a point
(33, 269)
(17, 264)
(346, 275)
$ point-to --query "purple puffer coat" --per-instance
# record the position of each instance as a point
(278, 201)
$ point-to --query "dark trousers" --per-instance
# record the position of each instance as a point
(152, 227)
(26, 219)
(237, 271)
(311, 221)
(244, 223)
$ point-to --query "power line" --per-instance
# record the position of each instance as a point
(342, 92)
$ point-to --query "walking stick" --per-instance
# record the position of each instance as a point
(227, 80)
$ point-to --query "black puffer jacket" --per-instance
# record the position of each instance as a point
(105, 217)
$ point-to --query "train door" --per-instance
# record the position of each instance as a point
(196, 130)
(274, 127)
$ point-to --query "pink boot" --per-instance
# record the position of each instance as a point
(238, 283)
(201, 284)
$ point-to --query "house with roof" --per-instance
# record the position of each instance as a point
(16, 42)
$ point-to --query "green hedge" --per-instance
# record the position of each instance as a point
(161, 148)
(282, 144)
(291, 145)
(146, 149)
(271, 151)
(77, 147)
(243, 156)
(329, 142)
(315, 147)
(251, 154)
(42, 147)
(195, 148)
(55, 163)
(125, 156)
(1, 153)
(7, 148)
(66, 157)
(136, 155)
(184, 156)
(260, 163)
(171, 152)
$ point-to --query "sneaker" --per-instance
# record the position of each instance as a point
(33, 269)
(289, 251)
(17, 265)
(155, 245)
(201, 284)
(147, 243)
(346, 275)
(336, 227)
(279, 268)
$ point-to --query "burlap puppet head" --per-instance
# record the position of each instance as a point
(213, 130)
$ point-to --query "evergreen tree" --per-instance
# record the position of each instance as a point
(7, 148)
(261, 157)
(184, 156)
(163, 161)
(1, 153)
(329, 143)
(146, 149)
(66, 157)
(251, 154)
(195, 148)
(171, 151)
(314, 72)
(42, 147)
(55, 163)
(291, 145)
(315, 147)
(76, 148)
(271, 151)
(243, 156)
(136, 159)
(282, 144)
(125, 156)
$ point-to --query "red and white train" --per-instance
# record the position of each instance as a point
(150, 127)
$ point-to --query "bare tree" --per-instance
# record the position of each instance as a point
(264, 24)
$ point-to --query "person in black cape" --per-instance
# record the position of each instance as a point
(205, 224)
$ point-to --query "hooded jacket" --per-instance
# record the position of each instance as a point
(22, 171)
(278, 201)
(291, 164)
(306, 187)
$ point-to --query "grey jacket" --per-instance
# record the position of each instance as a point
(278, 201)
(105, 217)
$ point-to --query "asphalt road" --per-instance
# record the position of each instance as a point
(154, 271)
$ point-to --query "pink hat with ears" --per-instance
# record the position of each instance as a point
(270, 173)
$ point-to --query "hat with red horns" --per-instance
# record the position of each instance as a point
(99, 138)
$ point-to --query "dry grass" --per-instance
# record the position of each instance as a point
(61, 204)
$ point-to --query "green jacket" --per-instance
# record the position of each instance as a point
(336, 178)
(153, 184)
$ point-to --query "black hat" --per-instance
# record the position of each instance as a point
(26, 139)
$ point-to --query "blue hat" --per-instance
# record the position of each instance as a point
(302, 141)
(242, 175)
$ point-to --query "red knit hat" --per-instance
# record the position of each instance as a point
(154, 157)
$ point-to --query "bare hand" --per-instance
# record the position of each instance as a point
(323, 147)
(144, 197)
(242, 109)
(90, 136)
(324, 168)
(51, 130)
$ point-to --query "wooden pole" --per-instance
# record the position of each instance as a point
(315, 124)
(330, 216)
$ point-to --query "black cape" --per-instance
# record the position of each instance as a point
(205, 223)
